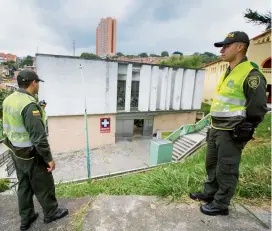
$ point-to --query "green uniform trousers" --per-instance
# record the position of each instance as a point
(33, 178)
(222, 166)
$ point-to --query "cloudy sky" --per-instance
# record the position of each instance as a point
(142, 25)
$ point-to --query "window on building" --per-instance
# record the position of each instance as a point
(121, 94)
(134, 94)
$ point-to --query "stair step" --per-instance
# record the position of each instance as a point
(175, 155)
(179, 150)
(185, 144)
(181, 147)
(188, 140)
(202, 133)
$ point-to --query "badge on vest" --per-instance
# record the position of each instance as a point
(230, 83)
(254, 82)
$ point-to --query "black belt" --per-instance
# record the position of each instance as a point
(25, 153)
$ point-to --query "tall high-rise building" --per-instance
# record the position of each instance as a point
(106, 37)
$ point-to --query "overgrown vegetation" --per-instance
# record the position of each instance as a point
(4, 184)
(165, 134)
(196, 60)
(205, 107)
(177, 180)
(79, 216)
(86, 55)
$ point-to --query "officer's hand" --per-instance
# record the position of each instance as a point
(52, 166)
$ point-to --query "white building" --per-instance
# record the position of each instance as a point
(123, 99)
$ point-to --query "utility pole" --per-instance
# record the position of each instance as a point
(74, 47)
(88, 155)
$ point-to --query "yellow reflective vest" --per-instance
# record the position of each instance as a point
(13, 126)
(230, 100)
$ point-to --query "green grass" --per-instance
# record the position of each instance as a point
(177, 180)
(79, 216)
(205, 108)
(165, 134)
(4, 184)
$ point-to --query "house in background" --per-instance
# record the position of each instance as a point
(7, 57)
(259, 51)
(213, 72)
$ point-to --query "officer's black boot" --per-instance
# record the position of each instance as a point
(211, 210)
(60, 213)
(201, 196)
(26, 226)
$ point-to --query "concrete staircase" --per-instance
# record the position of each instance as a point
(6, 164)
(187, 144)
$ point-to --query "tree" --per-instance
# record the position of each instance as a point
(177, 53)
(193, 61)
(154, 55)
(164, 54)
(208, 57)
(209, 54)
(86, 55)
(259, 19)
(28, 61)
(143, 55)
(120, 54)
(11, 65)
(131, 56)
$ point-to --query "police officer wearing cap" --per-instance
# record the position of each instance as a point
(25, 134)
(236, 110)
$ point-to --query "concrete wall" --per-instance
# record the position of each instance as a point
(172, 121)
(68, 133)
(64, 88)
(166, 88)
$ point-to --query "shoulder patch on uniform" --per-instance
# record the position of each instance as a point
(254, 81)
(36, 113)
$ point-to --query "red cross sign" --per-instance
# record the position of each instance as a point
(104, 125)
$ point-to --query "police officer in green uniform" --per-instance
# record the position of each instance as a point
(24, 128)
(237, 108)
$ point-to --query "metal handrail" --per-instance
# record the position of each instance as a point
(189, 128)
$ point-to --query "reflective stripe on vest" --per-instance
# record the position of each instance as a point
(13, 126)
(22, 144)
(229, 114)
(16, 129)
(231, 101)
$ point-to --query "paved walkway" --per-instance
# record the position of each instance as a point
(134, 213)
(122, 156)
